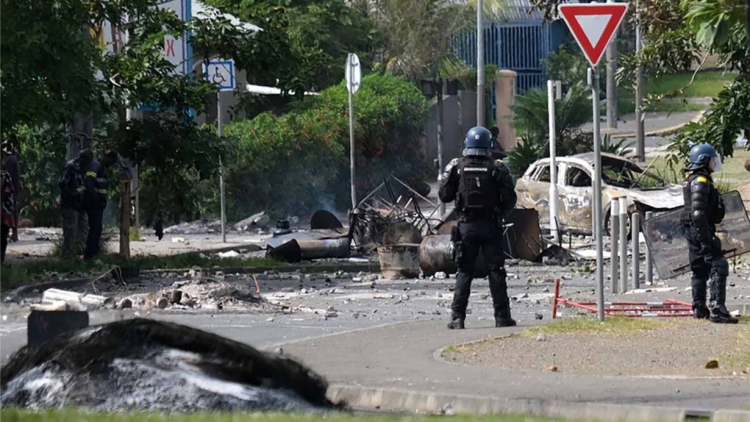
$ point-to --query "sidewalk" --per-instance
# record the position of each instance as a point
(405, 357)
(661, 123)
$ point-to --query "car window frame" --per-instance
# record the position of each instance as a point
(570, 166)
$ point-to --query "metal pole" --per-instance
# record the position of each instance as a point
(440, 122)
(480, 64)
(615, 235)
(352, 175)
(639, 117)
(649, 258)
(623, 244)
(594, 82)
(611, 85)
(221, 171)
(137, 199)
(553, 214)
(635, 230)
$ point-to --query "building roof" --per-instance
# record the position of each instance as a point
(204, 10)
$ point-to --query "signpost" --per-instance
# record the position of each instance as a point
(353, 80)
(554, 91)
(593, 25)
(221, 73)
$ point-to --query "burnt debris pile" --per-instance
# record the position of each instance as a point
(147, 365)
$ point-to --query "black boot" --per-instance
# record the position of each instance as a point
(720, 315)
(500, 300)
(504, 322)
(718, 287)
(700, 310)
(457, 322)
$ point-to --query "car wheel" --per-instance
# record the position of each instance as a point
(608, 224)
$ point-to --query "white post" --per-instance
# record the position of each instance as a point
(352, 176)
(623, 244)
(553, 214)
(480, 64)
(593, 78)
(221, 170)
(649, 258)
(614, 215)
(635, 236)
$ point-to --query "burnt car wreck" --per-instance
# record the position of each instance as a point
(644, 190)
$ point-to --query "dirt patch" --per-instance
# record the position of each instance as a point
(655, 348)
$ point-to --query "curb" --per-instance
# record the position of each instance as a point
(392, 400)
(661, 132)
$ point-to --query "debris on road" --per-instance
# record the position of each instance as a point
(256, 221)
(325, 220)
(195, 227)
(76, 301)
(399, 261)
(152, 366)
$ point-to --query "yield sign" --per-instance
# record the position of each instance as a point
(593, 25)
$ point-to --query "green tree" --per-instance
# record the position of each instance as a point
(48, 64)
(719, 27)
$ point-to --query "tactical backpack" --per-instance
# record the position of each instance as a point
(477, 187)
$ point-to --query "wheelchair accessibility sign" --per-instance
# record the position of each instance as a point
(220, 73)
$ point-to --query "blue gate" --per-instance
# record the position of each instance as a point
(520, 45)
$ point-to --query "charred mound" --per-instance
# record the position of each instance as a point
(148, 365)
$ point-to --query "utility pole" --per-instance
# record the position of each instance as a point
(640, 134)
(440, 122)
(480, 64)
(611, 85)
(221, 171)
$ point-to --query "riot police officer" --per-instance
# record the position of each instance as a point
(703, 209)
(483, 190)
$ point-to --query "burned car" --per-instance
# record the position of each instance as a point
(620, 177)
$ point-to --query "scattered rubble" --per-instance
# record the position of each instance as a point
(254, 222)
(195, 227)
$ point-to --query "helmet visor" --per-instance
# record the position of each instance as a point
(715, 164)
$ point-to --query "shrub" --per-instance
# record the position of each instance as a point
(299, 162)
(42, 156)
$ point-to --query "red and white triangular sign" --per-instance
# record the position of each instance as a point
(593, 25)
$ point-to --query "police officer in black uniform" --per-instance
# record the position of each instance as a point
(703, 210)
(484, 191)
(95, 196)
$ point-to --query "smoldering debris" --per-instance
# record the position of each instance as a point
(383, 208)
(195, 227)
(146, 365)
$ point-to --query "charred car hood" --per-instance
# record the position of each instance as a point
(667, 199)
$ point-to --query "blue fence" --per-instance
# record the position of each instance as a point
(520, 46)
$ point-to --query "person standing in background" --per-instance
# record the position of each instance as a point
(74, 219)
(12, 166)
(7, 215)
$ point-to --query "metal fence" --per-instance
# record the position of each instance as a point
(520, 46)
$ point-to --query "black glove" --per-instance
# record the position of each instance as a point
(707, 252)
